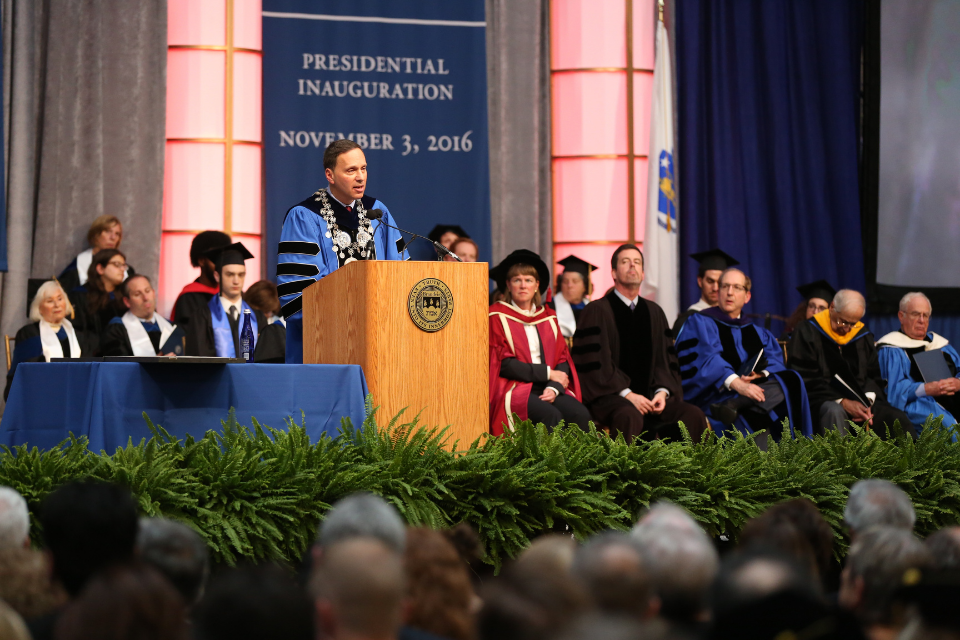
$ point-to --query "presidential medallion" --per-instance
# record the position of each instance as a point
(430, 304)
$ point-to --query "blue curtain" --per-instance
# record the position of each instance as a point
(768, 113)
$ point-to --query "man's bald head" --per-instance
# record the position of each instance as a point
(359, 589)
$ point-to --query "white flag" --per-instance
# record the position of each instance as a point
(661, 281)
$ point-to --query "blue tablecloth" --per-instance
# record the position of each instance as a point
(105, 400)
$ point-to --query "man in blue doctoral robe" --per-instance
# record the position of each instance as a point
(906, 389)
(328, 230)
(713, 346)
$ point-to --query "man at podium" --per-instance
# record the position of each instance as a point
(328, 230)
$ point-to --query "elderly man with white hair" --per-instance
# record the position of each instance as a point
(837, 357)
(14, 520)
(906, 389)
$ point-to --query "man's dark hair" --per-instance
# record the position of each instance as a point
(621, 249)
(336, 149)
(204, 241)
(254, 602)
(754, 573)
(88, 526)
(178, 552)
(124, 286)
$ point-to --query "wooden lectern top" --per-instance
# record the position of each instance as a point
(361, 314)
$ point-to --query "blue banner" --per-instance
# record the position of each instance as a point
(407, 81)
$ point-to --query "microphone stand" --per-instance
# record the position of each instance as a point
(441, 250)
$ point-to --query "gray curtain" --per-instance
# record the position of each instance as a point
(85, 107)
(518, 99)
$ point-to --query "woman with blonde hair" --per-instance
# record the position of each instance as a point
(50, 333)
(106, 232)
(531, 372)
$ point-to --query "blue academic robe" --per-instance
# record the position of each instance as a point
(703, 370)
(307, 255)
(902, 387)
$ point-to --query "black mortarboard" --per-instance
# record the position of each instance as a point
(521, 256)
(577, 265)
(819, 289)
(441, 229)
(234, 253)
(33, 285)
(204, 242)
(714, 260)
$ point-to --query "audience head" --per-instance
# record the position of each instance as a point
(553, 550)
(944, 548)
(877, 502)
(611, 572)
(14, 520)
(627, 267)
(735, 288)
(447, 235)
(26, 584)
(532, 599)
(107, 271)
(139, 296)
(876, 563)
(177, 552)
(679, 559)
(846, 310)
(358, 587)
(914, 315)
(796, 528)
(124, 602)
(439, 594)
(260, 602)
(262, 296)
(465, 248)
(106, 232)
(50, 304)
(345, 167)
(363, 515)
(88, 526)
(753, 573)
(203, 243)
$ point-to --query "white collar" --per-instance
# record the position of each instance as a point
(627, 301)
(341, 203)
(902, 340)
(534, 309)
(227, 304)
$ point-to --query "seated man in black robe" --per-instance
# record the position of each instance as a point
(141, 331)
(629, 379)
(837, 357)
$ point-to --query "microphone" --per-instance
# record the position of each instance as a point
(377, 214)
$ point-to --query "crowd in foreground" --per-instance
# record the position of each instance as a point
(105, 574)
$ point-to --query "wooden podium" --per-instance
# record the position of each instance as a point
(364, 313)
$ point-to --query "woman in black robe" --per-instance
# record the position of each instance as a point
(50, 333)
(97, 302)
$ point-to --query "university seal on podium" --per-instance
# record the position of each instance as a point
(430, 304)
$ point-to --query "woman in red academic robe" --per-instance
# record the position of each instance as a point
(531, 372)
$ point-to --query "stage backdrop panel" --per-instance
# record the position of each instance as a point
(406, 80)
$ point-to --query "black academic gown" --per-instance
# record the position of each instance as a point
(818, 358)
(27, 348)
(116, 341)
(92, 323)
(272, 344)
(189, 311)
(202, 328)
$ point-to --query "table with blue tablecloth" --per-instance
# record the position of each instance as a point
(105, 401)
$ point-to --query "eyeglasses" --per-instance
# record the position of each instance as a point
(118, 265)
(844, 323)
(915, 315)
(817, 307)
(739, 288)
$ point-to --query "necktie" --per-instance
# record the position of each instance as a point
(233, 312)
(349, 209)
(633, 305)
